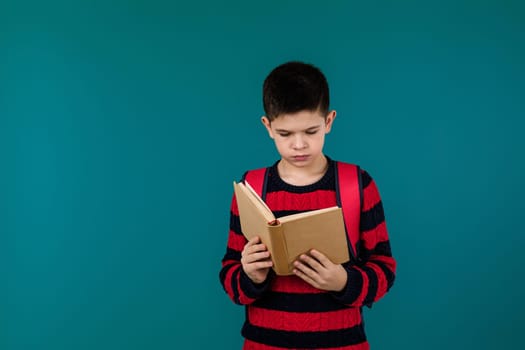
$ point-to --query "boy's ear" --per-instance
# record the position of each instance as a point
(267, 125)
(329, 120)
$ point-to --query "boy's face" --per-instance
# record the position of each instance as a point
(299, 137)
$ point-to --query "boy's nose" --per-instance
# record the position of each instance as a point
(299, 143)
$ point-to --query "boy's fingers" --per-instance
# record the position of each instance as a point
(263, 265)
(255, 248)
(253, 241)
(304, 277)
(256, 257)
(255, 253)
(311, 262)
(320, 257)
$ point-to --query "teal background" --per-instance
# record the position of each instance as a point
(124, 123)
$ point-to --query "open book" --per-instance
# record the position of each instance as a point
(290, 236)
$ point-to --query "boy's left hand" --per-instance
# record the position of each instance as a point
(317, 270)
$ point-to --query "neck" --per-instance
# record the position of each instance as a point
(303, 175)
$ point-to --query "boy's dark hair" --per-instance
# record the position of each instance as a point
(293, 87)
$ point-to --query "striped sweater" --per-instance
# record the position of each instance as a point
(284, 312)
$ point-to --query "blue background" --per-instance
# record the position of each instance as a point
(124, 123)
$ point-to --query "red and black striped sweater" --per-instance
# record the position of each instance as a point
(285, 312)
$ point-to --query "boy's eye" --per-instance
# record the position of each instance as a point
(311, 132)
(284, 134)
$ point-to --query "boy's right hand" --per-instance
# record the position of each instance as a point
(255, 260)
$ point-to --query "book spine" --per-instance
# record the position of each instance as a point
(279, 251)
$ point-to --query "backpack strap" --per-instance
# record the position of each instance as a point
(349, 197)
(258, 179)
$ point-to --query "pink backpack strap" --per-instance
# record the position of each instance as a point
(349, 197)
(257, 179)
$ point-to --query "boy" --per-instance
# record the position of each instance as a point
(320, 306)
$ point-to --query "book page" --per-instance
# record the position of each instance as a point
(269, 213)
(251, 204)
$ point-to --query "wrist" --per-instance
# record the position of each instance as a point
(342, 280)
(252, 288)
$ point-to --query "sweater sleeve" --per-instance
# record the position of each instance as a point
(373, 274)
(239, 287)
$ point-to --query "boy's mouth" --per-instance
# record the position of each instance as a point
(300, 157)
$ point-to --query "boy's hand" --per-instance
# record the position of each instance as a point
(317, 270)
(255, 260)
